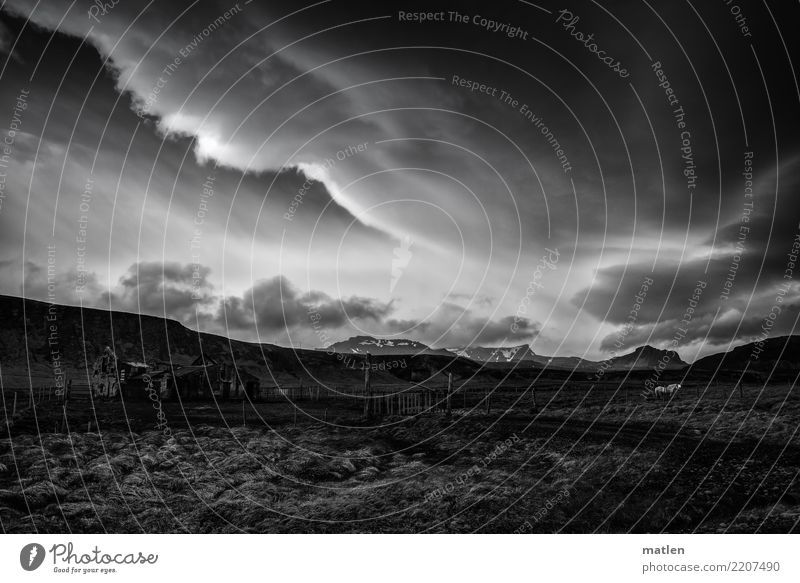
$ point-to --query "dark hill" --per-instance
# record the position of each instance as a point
(80, 335)
(647, 357)
(781, 354)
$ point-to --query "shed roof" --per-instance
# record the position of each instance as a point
(189, 370)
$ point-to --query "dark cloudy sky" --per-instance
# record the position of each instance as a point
(174, 137)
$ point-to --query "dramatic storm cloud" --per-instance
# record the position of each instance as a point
(242, 167)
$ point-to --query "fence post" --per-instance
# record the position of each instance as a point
(367, 386)
(244, 416)
(449, 392)
(14, 410)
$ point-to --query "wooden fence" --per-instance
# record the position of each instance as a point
(388, 400)
(18, 399)
(391, 400)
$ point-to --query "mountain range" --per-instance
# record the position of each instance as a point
(523, 355)
(383, 346)
(644, 357)
(27, 353)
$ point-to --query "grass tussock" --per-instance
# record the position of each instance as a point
(417, 476)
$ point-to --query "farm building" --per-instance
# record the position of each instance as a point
(109, 374)
(189, 382)
(206, 378)
(151, 385)
(193, 382)
(248, 385)
(232, 381)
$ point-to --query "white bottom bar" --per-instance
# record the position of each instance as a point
(390, 558)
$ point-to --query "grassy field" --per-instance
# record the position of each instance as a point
(723, 412)
(583, 461)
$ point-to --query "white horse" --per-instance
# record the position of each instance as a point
(667, 391)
